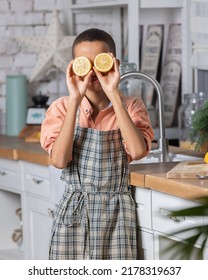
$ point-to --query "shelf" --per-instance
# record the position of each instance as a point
(95, 5)
(142, 4)
(161, 4)
(11, 254)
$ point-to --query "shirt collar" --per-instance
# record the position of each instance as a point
(87, 107)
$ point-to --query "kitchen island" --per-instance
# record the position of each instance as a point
(26, 183)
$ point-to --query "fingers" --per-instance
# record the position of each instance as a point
(98, 73)
(69, 71)
(88, 76)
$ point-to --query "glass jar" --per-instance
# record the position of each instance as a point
(126, 67)
(192, 102)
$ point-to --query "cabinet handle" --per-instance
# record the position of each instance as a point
(177, 219)
(140, 206)
(37, 181)
(3, 173)
(50, 213)
(167, 214)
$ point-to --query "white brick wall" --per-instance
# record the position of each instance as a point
(47, 5)
(4, 6)
(21, 5)
(31, 18)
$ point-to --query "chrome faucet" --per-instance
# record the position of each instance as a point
(162, 148)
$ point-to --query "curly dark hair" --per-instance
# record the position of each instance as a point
(94, 34)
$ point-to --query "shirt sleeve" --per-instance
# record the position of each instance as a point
(52, 124)
(139, 115)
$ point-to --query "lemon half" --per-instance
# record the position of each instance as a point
(103, 62)
(81, 66)
(206, 158)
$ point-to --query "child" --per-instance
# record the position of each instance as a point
(92, 135)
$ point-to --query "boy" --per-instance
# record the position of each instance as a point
(92, 135)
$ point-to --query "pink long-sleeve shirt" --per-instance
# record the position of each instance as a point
(106, 119)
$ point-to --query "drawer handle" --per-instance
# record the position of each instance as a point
(3, 173)
(167, 214)
(140, 206)
(177, 219)
(50, 213)
(37, 181)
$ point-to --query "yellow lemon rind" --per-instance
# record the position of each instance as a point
(81, 66)
(206, 158)
(101, 67)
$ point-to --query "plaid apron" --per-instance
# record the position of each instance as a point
(96, 217)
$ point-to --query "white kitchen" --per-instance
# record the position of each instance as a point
(162, 47)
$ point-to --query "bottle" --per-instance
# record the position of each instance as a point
(192, 102)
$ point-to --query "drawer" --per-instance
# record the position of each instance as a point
(10, 174)
(36, 179)
(142, 198)
(163, 205)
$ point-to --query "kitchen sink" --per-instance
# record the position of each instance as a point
(172, 158)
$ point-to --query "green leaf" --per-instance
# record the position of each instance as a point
(199, 131)
(185, 248)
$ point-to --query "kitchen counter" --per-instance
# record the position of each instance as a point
(17, 149)
(152, 175)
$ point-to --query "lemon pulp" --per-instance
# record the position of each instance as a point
(81, 66)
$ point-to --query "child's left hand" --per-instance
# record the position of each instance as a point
(110, 80)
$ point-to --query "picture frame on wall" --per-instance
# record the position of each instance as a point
(151, 58)
(171, 74)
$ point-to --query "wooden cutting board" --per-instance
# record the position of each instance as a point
(188, 169)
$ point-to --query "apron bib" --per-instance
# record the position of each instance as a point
(96, 217)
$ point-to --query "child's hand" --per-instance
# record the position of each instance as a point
(110, 80)
(76, 85)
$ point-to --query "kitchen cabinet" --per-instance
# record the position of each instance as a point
(25, 186)
(38, 219)
(145, 245)
(155, 224)
(38, 210)
(28, 184)
(10, 200)
(163, 224)
(145, 238)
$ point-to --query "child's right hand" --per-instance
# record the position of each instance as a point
(76, 85)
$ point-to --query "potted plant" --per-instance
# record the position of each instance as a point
(199, 131)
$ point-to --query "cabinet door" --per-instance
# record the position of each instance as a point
(162, 242)
(38, 218)
(10, 202)
(167, 241)
(145, 245)
(142, 198)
